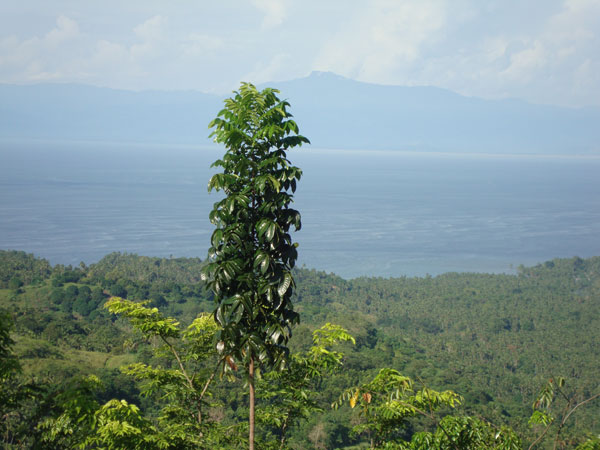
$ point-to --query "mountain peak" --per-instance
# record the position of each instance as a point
(317, 74)
(320, 73)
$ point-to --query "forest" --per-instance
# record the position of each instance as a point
(121, 354)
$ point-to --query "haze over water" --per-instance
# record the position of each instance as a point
(363, 212)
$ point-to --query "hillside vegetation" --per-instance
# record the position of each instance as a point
(494, 339)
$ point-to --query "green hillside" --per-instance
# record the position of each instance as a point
(494, 339)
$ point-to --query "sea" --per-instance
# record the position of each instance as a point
(364, 212)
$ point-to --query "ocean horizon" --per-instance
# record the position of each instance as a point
(364, 212)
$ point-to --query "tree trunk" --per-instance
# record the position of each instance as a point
(251, 418)
(283, 431)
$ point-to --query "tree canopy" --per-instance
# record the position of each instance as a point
(252, 253)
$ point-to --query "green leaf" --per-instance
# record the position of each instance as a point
(270, 232)
(217, 237)
(539, 417)
(261, 261)
(285, 284)
(262, 226)
(251, 248)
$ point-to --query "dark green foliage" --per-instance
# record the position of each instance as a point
(165, 281)
(22, 267)
(292, 393)
(118, 290)
(552, 409)
(553, 310)
(20, 400)
(180, 388)
(15, 283)
(97, 296)
(81, 306)
(66, 275)
(145, 269)
(388, 401)
(464, 433)
(9, 364)
(71, 293)
(84, 293)
(57, 295)
(252, 253)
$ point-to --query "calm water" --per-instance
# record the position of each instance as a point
(364, 213)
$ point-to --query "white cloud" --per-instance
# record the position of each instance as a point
(549, 62)
(276, 69)
(156, 53)
(152, 29)
(198, 45)
(541, 50)
(554, 65)
(275, 12)
(154, 40)
(383, 39)
(65, 29)
(38, 58)
(525, 64)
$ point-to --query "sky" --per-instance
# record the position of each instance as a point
(543, 51)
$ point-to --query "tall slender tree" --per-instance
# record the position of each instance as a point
(252, 253)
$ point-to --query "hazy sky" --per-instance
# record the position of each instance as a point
(545, 51)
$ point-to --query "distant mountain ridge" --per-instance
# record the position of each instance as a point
(80, 112)
(332, 111)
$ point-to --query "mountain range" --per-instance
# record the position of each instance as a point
(332, 111)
